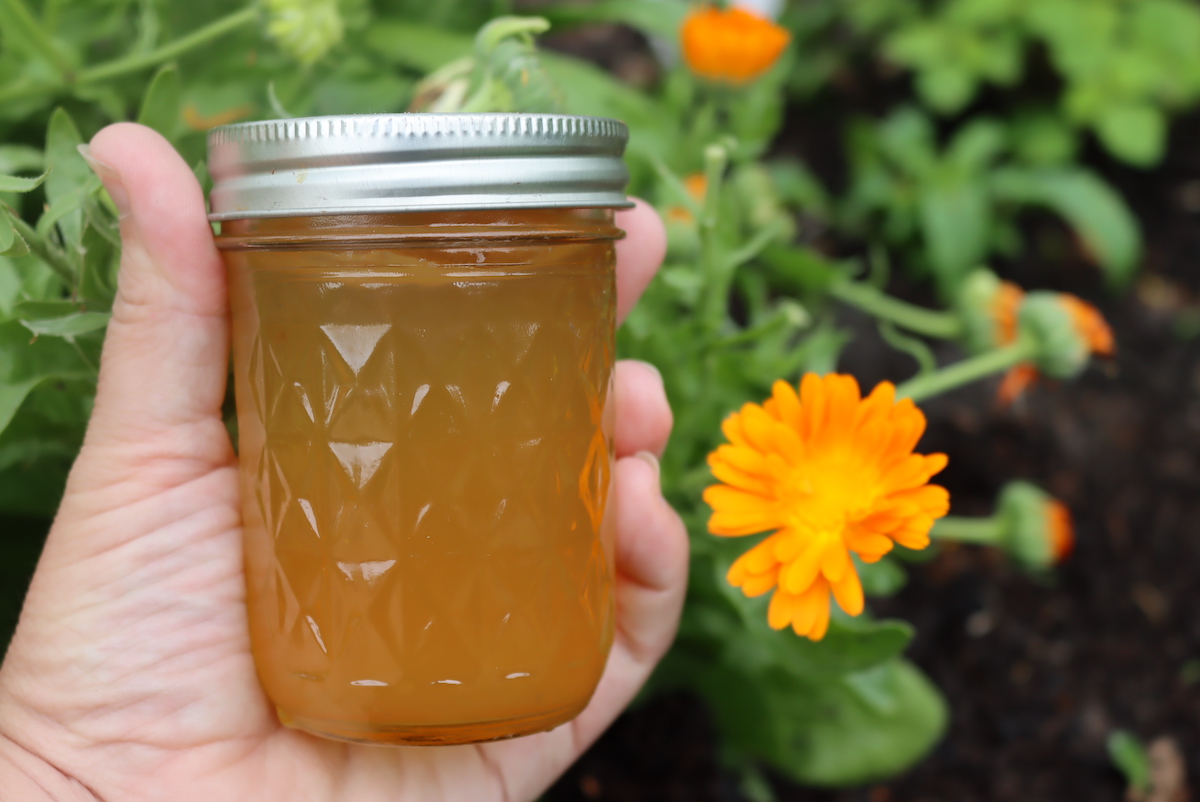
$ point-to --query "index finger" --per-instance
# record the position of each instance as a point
(639, 255)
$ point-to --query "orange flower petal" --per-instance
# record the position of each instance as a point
(835, 560)
(849, 593)
(740, 479)
(1061, 530)
(801, 572)
(783, 609)
(1016, 382)
(788, 404)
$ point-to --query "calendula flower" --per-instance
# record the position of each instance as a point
(304, 29)
(731, 45)
(830, 474)
(1068, 331)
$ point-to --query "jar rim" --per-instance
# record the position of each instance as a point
(379, 163)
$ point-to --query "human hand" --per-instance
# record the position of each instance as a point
(130, 675)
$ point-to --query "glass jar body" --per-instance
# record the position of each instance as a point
(425, 436)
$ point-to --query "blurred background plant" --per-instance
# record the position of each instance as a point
(765, 250)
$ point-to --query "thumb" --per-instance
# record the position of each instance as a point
(165, 360)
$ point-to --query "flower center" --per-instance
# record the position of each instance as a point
(828, 492)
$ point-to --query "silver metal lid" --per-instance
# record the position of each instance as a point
(415, 162)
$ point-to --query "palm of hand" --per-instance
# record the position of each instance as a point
(131, 672)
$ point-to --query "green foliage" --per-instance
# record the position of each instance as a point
(950, 208)
(1125, 64)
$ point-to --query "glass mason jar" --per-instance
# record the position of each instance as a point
(423, 323)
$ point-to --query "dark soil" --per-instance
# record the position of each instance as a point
(1037, 673)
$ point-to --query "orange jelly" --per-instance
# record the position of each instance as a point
(425, 431)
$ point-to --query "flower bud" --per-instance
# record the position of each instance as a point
(1035, 527)
(304, 29)
(509, 75)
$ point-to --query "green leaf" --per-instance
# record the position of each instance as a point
(39, 446)
(10, 286)
(882, 578)
(98, 283)
(15, 183)
(17, 246)
(24, 365)
(663, 18)
(907, 138)
(19, 158)
(946, 88)
(1133, 132)
(67, 173)
(955, 214)
(799, 187)
(161, 103)
(800, 270)
(850, 645)
(1130, 757)
(419, 47)
(977, 145)
(8, 234)
(67, 205)
(1043, 139)
(1093, 208)
(837, 732)
(867, 727)
(59, 319)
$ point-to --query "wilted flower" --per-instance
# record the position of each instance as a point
(304, 29)
(731, 45)
(987, 308)
(831, 473)
(1066, 330)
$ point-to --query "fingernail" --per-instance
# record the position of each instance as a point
(652, 461)
(110, 177)
(652, 368)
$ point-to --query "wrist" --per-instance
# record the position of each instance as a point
(29, 778)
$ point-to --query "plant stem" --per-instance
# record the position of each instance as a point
(985, 531)
(968, 370)
(24, 88)
(40, 248)
(170, 50)
(928, 322)
(716, 296)
(26, 26)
